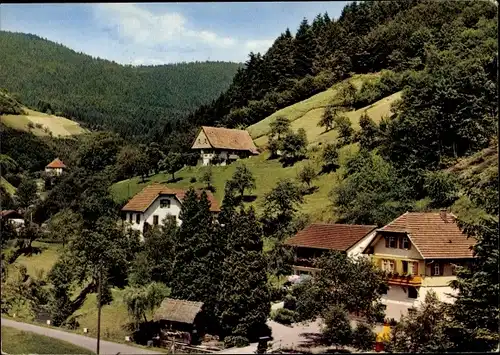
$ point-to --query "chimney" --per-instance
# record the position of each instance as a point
(443, 214)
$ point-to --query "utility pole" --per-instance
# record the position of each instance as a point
(99, 294)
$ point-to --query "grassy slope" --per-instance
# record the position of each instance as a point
(59, 126)
(19, 342)
(302, 108)
(304, 114)
(11, 190)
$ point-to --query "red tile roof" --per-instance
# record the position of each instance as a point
(434, 234)
(141, 201)
(330, 236)
(233, 139)
(10, 214)
(56, 163)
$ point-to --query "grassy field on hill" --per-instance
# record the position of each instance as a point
(11, 190)
(20, 342)
(59, 126)
(305, 107)
(266, 173)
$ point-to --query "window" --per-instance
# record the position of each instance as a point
(165, 203)
(138, 218)
(437, 270)
(405, 267)
(414, 268)
(412, 292)
(406, 243)
(130, 217)
(388, 265)
(392, 242)
(155, 220)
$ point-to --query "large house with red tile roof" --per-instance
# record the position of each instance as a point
(223, 145)
(150, 206)
(319, 238)
(55, 167)
(420, 250)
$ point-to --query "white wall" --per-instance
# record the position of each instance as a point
(155, 209)
(398, 302)
(55, 171)
(208, 155)
(357, 249)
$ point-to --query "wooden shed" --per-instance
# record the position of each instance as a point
(180, 320)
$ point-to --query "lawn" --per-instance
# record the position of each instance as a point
(59, 126)
(266, 173)
(114, 317)
(20, 342)
(42, 262)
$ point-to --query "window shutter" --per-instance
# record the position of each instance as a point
(400, 242)
(386, 242)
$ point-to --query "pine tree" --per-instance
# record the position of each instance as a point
(244, 303)
(198, 255)
(304, 50)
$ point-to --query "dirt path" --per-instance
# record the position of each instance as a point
(106, 347)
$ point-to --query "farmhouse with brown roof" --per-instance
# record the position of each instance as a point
(318, 238)
(420, 251)
(155, 202)
(55, 167)
(223, 145)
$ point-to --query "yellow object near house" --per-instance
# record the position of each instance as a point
(384, 334)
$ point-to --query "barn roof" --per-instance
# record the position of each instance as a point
(226, 138)
(10, 214)
(141, 201)
(56, 163)
(178, 311)
(330, 236)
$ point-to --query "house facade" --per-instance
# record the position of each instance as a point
(154, 203)
(13, 217)
(221, 146)
(420, 251)
(319, 238)
(56, 167)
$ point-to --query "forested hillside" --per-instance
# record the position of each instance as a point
(367, 37)
(102, 94)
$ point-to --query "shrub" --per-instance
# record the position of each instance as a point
(363, 337)
(290, 302)
(192, 180)
(235, 341)
(284, 316)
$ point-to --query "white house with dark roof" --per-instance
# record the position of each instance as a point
(420, 251)
(223, 144)
(154, 203)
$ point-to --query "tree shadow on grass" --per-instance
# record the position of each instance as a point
(312, 340)
(249, 198)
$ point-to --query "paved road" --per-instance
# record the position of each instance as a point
(106, 347)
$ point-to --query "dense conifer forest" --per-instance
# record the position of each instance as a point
(131, 101)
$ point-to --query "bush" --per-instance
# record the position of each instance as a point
(290, 302)
(363, 337)
(235, 341)
(192, 180)
(284, 316)
(276, 293)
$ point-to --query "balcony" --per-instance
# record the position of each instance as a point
(405, 280)
(305, 262)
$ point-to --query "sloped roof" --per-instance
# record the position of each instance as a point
(178, 311)
(225, 138)
(56, 163)
(142, 200)
(330, 236)
(434, 234)
(10, 214)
